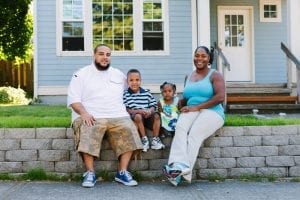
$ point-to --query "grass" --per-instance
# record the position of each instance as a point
(250, 120)
(36, 116)
(215, 177)
(36, 174)
(258, 178)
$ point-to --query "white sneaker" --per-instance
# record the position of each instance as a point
(157, 144)
(145, 143)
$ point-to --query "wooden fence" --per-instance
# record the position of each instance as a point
(17, 75)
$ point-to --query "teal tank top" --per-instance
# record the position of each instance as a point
(198, 92)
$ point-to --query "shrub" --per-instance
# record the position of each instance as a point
(4, 97)
(13, 96)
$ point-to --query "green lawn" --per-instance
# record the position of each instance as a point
(35, 116)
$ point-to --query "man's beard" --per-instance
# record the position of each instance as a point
(101, 67)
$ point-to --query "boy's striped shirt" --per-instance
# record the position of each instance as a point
(141, 100)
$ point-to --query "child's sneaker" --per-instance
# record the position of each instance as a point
(145, 143)
(89, 179)
(125, 177)
(157, 144)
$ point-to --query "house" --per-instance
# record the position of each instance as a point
(158, 37)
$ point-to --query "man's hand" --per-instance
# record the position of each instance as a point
(88, 119)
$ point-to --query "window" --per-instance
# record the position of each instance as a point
(129, 27)
(113, 24)
(153, 35)
(270, 10)
(72, 38)
(234, 30)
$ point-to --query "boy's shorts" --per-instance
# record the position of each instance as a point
(121, 134)
(148, 122)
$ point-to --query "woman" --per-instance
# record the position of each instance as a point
(201, 115)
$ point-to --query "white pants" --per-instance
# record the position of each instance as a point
(191, 130)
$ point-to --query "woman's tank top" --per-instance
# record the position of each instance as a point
(201, 91)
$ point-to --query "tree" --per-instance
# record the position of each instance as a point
(16, 28)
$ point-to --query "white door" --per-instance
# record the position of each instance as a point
(235, 40)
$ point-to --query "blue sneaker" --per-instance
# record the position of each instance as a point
(126, 178)
(89, 179)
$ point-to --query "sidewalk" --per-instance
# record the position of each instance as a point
(198, 190)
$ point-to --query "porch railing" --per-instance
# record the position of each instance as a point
(222, 66)
(290, 57)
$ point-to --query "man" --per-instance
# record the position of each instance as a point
(95, 95)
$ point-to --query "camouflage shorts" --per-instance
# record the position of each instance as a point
(121, 134)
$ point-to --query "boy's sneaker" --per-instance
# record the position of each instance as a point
(145, 143)
(89, 179)
(125, 177)
(157, 144)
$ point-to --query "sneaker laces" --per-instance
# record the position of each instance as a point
(156, 140)
(89, 175)
(127, 174)
(144, 139)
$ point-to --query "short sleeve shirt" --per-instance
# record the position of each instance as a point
(100, 92)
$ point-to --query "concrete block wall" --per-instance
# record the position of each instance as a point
(231, 152)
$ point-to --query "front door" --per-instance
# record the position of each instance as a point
(235, 40)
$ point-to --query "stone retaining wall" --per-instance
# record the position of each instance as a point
(231, 152)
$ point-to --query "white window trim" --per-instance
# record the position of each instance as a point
(261, 10)
(88, 34)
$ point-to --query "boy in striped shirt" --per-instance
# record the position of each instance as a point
(142, 107)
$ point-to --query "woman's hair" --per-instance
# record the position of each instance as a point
(168, 83)
(209, 52)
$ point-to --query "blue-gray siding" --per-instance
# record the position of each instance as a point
(54, 70)
(269, 59)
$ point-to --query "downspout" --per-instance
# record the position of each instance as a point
(35, 49)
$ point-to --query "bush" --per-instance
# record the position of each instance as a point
(13, 96)
(4, 97)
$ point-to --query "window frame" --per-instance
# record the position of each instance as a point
(88, 31)
(262, 3)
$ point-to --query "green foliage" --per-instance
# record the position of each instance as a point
(39, 115)
(258, 177)
(16, 28)
(4, 97)
(215, 177)
(295, 179)
(34, 116)
(38, 174)
(106, 175)
(250, 120)
(13, 96)
(6, 176)
(35, 174)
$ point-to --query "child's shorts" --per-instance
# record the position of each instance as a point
(121, 134)
(148, 122)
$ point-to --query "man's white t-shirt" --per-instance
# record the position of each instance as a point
(100, 92)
